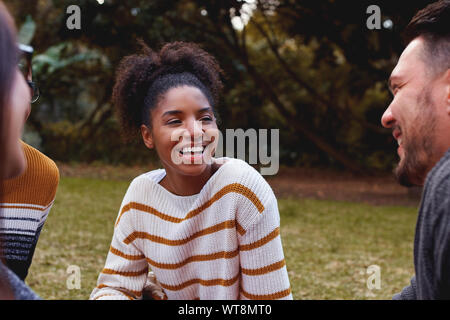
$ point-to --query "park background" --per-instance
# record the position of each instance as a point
(311, 68)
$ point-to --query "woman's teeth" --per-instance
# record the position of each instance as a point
(192, 150)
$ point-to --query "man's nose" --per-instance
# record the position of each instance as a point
(387, 120)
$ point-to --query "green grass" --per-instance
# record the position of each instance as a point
(328, 245)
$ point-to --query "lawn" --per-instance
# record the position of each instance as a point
(328, 245)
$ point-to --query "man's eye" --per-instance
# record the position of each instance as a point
(396, 88)
(173, 121)
(206, 119)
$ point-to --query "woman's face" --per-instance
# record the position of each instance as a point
(183, 131)
(16, 113)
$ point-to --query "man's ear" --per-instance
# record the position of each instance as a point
(147, 136)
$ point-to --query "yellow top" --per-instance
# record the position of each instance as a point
(37, 185)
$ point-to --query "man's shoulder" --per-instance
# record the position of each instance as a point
(439, 176)
(437, 188)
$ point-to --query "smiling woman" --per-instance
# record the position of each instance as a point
(205, 228)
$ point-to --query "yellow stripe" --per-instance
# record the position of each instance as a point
(136, 293)
(203, 257)
(229, 224)
(147, 209)
(264, 270)
(260, 242)
(125, 294)
(240, 229)
(104, 295)
(125, 273)
(126, 256)
(272, 296)
(212, 282)
(234, 187)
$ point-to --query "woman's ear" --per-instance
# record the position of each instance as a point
(147, 136)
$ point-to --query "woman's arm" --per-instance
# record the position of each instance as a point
(125, 271)
(263, 269)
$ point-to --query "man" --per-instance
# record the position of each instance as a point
(26, 200)
(419, 117)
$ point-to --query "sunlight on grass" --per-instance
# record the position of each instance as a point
(328, 245)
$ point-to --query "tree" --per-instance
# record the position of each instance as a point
(309, 67)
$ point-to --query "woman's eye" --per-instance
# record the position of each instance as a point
(206, 119)
(173, 121)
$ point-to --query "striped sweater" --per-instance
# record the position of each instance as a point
(222, 243)
(24, 206)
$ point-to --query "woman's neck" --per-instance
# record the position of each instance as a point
(183, 185)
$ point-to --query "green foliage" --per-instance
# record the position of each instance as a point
(27, 31)
(62, 141)
(310, 68)
(54, 60)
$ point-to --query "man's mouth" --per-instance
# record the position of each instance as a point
(397, 133)
(400, 150)
(397, 136)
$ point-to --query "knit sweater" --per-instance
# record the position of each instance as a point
(222, 243)
(432, 238)
(24, 206)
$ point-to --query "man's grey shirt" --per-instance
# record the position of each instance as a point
(432, 238)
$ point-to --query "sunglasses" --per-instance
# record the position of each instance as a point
(25, 57)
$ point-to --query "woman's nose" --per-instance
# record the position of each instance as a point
(194, 129)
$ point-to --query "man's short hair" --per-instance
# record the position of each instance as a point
(433, 24)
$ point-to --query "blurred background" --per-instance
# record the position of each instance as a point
(311, 68)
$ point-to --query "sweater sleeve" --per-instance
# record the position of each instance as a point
(125, 272)
(263, 269)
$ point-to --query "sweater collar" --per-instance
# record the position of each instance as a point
(445, 158)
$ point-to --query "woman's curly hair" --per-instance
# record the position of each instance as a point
(137, 73)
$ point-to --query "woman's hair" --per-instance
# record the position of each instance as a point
(8, 63)
(8, 55)
(143, 79)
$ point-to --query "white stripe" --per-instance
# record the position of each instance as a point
(25, 213)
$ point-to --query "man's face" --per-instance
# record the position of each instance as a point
(414, 115)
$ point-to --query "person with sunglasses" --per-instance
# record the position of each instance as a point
(14, 108)
(25, 66)
(26, 199)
